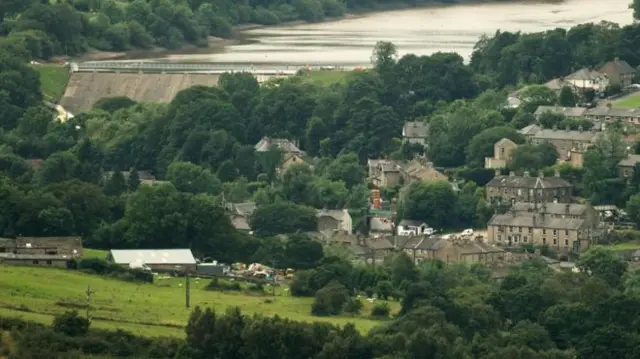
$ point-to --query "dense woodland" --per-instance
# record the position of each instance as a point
(447, 311)
(61, 179)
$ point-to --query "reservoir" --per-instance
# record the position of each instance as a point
(422, 31)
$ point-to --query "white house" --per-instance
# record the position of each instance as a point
(334, 219)
(408, 227)
(588, 79)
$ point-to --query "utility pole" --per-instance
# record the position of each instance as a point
(89, 293)
(187, 292)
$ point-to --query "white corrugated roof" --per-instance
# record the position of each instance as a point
(153, 256)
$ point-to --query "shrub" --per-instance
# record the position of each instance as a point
(71, 324)
(384, 289)
(380, 310)
(330, 300)
(353, 306)
(222, 285)
(255, 288)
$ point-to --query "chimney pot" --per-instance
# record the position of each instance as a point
(512, 174)
(556, 173)
(526, 174)
(541, 174)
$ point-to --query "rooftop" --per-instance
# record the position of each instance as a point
(630, 161)
(583, 136)
(152, 256)
(337, 214)
(566, 111)
(571, 209)
(282, 143)
(415, 129)
(585, 74)
(535, 221)
(617, 67)
(612, 111)
(529, 130)
(528, 182)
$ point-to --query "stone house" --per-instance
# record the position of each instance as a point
(41, 251)
(408, 227)
(529, 131)
(415, 132)
(569, 144)
(514, 229)
(629, 116)
(619, 72)
(293, 158)
(560, 210)
(334, 219)
(525, 188)
(384, 173)
(239, 214)
(419, 170)
(585, 79)
(626, 165)
(502, 151)
(452, 250)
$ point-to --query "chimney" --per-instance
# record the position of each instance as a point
(567, 207)
(567, 129)
(498, 172)
(541, 174)
(555, 127)
(580, 129)
(512, 174)
(429, 164)
(535, 221)
(513, 213)
(556, 174)
(616, 59)
(526, 174)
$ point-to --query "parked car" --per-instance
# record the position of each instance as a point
(467, 232)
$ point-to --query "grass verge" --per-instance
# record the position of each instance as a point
(53, 80)
(631, 101)
(148, 309)
(325, 78)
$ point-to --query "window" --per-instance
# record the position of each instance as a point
(544, 231)
(510, 229)
(49, 263)
(502, 150)
(544, 241)
(36, 262)
(566, 243)
(499, 238)
(524, 239)
(520, 229)
(566, 232)
(530, 230)
(555, 241)
(555, 232)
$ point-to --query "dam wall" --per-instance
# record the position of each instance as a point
(84, 89)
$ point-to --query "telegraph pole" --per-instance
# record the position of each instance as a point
(187, 293)
(89, 293)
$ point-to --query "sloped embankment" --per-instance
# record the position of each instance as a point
(86, 88)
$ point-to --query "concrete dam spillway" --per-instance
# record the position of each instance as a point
(145, 81)
(86, 88)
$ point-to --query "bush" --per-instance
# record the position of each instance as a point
(330, 300)
(255, 288)
(380, 310)
(102, 267)
(222, 285)
(384, 289)
(71, 324)
(353, 306)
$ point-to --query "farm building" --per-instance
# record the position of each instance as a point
(158, 260)
(41, 251)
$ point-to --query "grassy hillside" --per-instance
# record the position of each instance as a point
(53, 80)
(148, 309)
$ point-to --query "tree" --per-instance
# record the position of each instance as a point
(134, 179)
(301, 252)
(115, 184)
(71, 324)
(566, 97)
(189, 177)
(330, 300)
(347, 169)
(482, 144)
(533, 157)
(282, 217)
(59, 167)
(633, 209)
(432, 202)
(602, 263)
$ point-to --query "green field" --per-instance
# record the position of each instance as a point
(95, 253)
(53, 80)
(626, 246)
(157, 309)
(325, 78)
(631, 101)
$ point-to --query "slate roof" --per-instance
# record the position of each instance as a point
(282, 143)
(574, 209)
(244, 208)
(617, 67)
(630, 161)
(583, 136)
(535, 221)
(529, 130)
(613, 112)
(240, 223)
(555, 84)
(528, 182)
(585, 74)
(152, 256)
(566, 111)
(504, 141)
(381, 225)
(415, 129)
